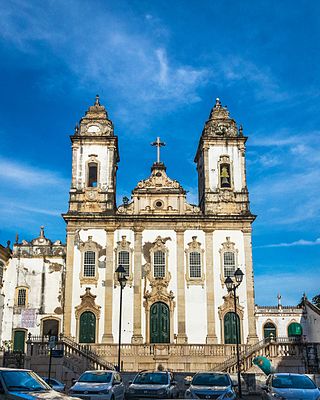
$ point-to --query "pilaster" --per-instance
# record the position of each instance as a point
(68, 284)
(252, 333)
(108, 295)
(182, 336)
(211, 327)
(137, 283)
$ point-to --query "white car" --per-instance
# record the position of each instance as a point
(98, 385)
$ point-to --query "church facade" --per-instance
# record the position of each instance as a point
(176, 256)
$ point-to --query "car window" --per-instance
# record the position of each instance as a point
(293, 382)
(23, 380)
(96, 377)
(149, 378)
(210, 380)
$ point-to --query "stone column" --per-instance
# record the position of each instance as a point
(137, 287)
(211, 328)
(252, 333)
(68, 285)
(181, 298)
(108, 290)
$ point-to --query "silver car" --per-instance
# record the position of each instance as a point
(284, 386)
(153, 384)
(211, 385)
(25, 384)
(99, 385)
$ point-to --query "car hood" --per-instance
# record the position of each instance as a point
(147, 387)
(82, 386)
(50, 395)
(298, 394)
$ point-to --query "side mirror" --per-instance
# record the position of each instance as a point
(187, 383)
(265, 387)
(74, 381)
(130, 383)
(116, 383)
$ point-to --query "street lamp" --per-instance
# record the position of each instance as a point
(121, 276)
(232, 286)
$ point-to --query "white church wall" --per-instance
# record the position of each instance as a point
(281, 318)
(215, 152)
(219, 237)
(312, 324)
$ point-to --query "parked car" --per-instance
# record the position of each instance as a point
(290, 386)
(154, 384)
(211, 385)
(55, 384)
(99, 385)
(27, 385)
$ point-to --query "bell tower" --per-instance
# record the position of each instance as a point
(94, 163)
(220, 159)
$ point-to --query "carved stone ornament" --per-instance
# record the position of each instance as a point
(220, 123)
(194, 246)
(87, 304)
(159, 179)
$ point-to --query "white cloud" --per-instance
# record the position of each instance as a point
(300, 242)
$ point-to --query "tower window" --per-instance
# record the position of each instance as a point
(159, 264)
(92, 174)
(225, 177)
(124, 260)
(229, 263)
(195, 264)
(89, 264)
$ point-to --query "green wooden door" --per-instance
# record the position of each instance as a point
(159, 323)
(87, 329)
(19, 340)
(294, 329)
(230, 328)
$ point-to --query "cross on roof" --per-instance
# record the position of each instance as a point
(158, 143)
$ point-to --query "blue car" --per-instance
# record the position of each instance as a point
(211, 385)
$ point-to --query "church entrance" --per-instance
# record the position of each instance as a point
(159, 323)
(19, 340)
(87, 327)
(50, 327)
(230, 328)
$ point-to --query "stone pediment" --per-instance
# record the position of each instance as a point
(159, 180)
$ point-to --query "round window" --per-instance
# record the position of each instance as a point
(158, 204)
(158, 174)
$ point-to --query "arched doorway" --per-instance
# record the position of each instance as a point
(230, 328)
(269, 330)
(159, 323)
(19, 340)
(87, 327)
(294, 330)
(50, 327)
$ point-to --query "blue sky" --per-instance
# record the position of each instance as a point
(158, 67)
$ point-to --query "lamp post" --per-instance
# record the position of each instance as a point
(232, 286)
(121, 275)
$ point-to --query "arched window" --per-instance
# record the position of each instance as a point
(92, 174)
(294, 329)
(231, 321)
(159, 264)
(50, 327)
(195, 264)
(124, 260)
(229, 263)
(89, 264)
(87, 328)
(269, 330)
(21, 297)
(225, 177)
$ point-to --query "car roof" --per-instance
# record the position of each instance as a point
(98, 371)
(286, 374)
(154, 371)
(14, 369)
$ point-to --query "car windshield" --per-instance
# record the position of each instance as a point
(151, 378)
(293, 382)
(96, 377)
(23, 381)
(210, 380)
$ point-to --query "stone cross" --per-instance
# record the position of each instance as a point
(158, 143)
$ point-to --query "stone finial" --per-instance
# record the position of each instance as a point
(8, 244)
(279, 299)
(240, 130)
(76, 129)
(17, 238)
(97, 102)
(42, 231)
(218, 103)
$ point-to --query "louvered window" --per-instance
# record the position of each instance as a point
(195, 264)
(22, 297)
(229, 263)
(124, 260)
(159, 264)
